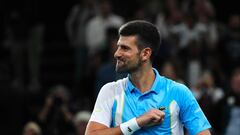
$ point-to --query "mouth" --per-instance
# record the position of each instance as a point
(120, 63)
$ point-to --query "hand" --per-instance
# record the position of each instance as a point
(67, 114)
(151, 118)
(49, 101)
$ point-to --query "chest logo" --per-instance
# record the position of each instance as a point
(162, 108)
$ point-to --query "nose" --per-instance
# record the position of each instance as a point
(117, 53)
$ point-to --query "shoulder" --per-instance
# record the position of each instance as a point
(178, 90)
(94, 21)
(118, 18)
(115, 20)
(114, 88)
(118, 83)
(178, 87)
(174, 86)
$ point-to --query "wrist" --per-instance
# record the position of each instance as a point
(129, 127)
(142, 121)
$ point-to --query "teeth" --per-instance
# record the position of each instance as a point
(119, 62)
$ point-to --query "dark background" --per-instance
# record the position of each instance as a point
(53, 13)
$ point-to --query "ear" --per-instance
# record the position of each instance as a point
(146, 54)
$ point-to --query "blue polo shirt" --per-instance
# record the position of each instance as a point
(182, 109)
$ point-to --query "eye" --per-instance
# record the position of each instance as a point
(125, 48)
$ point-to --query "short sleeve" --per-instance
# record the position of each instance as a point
(191, 114)
(103, 107)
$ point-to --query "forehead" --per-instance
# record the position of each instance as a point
(127, 40)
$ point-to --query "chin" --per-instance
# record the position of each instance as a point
(121, 70)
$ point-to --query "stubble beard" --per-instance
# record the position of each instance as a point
(126, 67)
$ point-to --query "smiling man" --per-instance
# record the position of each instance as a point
(144, 103)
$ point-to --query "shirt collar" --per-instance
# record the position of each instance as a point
(154, 88)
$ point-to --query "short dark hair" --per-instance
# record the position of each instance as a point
(147, 35)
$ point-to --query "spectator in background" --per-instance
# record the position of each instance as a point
(205, 24)
(56, 115)
(80, 121)
(170, 16)
(16, 34)
(229, 45)
(25, 45)
(168, 19)
(186, 31)
(32, 128)
(96, 40)
(209, 96)
(208, 32)
(193, 62)
(188, 47)
(76, 24)
(96, 28)
(230, 106)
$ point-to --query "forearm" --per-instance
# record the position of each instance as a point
(205, 132)
(128, 127)
(105, 131)
(43, 114)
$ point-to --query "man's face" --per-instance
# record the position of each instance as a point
(127, 55)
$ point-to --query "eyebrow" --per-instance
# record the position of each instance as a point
(123, 45)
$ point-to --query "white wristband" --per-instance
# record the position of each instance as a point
(129, 127)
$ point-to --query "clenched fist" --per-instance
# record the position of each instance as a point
(151, 118)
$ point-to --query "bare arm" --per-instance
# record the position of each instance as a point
(95, 128)
(205, 132)
(150, 118)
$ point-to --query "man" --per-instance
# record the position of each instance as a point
(144, 103)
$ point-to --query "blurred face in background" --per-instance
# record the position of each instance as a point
(31, 128)
(207, 79)
(105, 8)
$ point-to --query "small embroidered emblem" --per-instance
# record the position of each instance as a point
(129, 129)
(162, 108)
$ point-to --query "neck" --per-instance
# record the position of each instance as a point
(143, 78)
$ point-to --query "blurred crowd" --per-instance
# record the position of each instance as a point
(196, 49)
